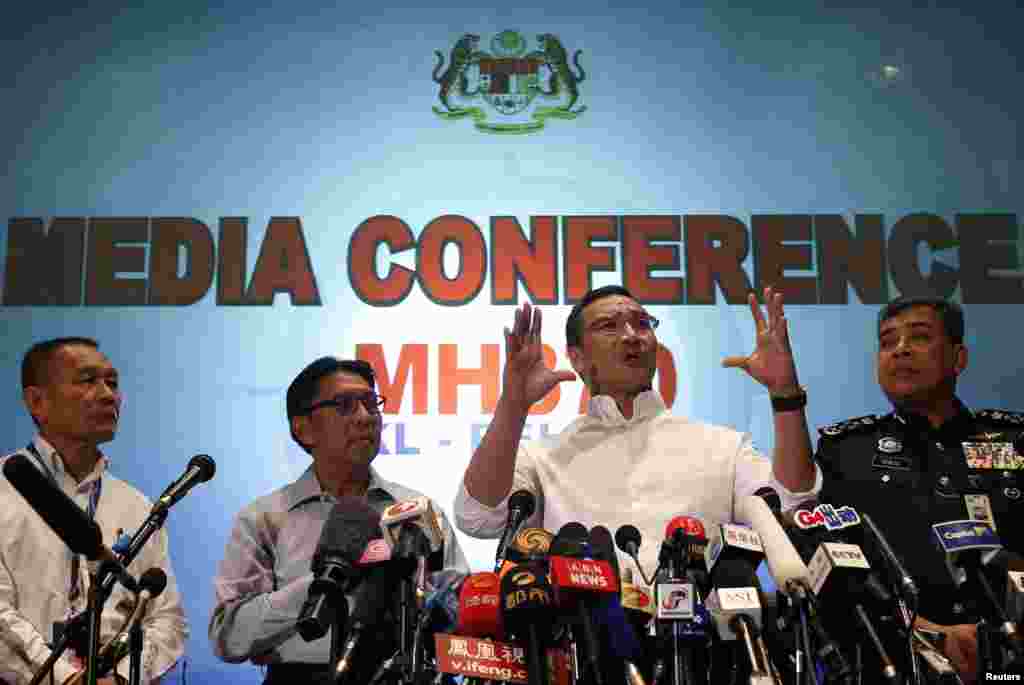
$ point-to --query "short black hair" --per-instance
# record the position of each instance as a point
(36, 363)
(951, 314)
(305, 386)
(574, 324)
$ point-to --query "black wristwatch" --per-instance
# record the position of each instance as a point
(789, 402)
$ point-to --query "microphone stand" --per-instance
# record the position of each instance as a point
(95, 607)
(337, 630)
(101, 585)
(135, 654)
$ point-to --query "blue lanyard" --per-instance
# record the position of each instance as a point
(94, 500)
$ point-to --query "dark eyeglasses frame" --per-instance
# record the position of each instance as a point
(651, 321)
(374, 408)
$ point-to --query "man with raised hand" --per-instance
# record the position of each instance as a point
(628, 460)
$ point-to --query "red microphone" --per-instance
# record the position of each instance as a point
(690, 525)
(480, 607)
(684, 545)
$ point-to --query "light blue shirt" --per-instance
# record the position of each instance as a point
(265, 575)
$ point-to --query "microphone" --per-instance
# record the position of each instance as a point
(371, 603)
(401, 519)
(814, 527)
(521, 505)
(620, 637)
(784, 564)
(964, 544)
(526, 608)
(840, 574)
(151, 585)
(80, 533)
(681, 624)
(790, 575)
(732, 555)
(684, 544)
(628, 539)
(479, 607)
(904, 582)
(637, 601)
(1008, 567)
(575, 578)
(200, 469)
(347, 536)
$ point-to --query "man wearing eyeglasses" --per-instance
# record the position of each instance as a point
(335, 415)
(628, 460)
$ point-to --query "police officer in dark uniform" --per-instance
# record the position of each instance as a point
(931, 460)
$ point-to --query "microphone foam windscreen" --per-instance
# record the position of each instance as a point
(375, 595)
(524, 500)
(783, 561)
(526, 598)
(154, 580)
(479, 606)
(206, 465)
(530, 544)
(72, 525)
(602, 547)
(570, 541)
(349, 528)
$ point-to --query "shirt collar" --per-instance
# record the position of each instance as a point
(308, 489)
(951, 430)
(646, 405)
(55, 462)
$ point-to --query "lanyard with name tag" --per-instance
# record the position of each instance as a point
(74, 589)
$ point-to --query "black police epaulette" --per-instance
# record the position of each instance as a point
(849, 426)
(1001, 416)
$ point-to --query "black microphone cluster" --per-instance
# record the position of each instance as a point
(560, 608)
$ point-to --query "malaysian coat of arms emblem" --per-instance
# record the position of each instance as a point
(510, 81)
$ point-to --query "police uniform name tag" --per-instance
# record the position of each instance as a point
(999, 456)
(979, 508)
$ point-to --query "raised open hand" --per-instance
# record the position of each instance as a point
(527, 379)
(771, 363)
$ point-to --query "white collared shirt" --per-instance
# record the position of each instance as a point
(604, 469)
(35, 576)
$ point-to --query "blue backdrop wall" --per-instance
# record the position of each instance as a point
(326, 113)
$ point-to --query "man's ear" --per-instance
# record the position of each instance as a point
(960, 359)
(35, 400)
(303, 430)
(577, 361)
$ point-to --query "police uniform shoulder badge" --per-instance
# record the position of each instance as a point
(850, 426)
(1002, 417)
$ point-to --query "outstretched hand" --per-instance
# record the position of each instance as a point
(771, 363)
(527, 379)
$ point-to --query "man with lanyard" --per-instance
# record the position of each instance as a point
(929, 461)
(71, 391)
(334, 414)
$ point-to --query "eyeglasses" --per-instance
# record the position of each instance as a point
(345, 405)
(641, 323)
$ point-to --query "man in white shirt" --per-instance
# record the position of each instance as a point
(71, 390)
(628, 460)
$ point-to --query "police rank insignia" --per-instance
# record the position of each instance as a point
(509, 80)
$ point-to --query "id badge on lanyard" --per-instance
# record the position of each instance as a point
(74, 584)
